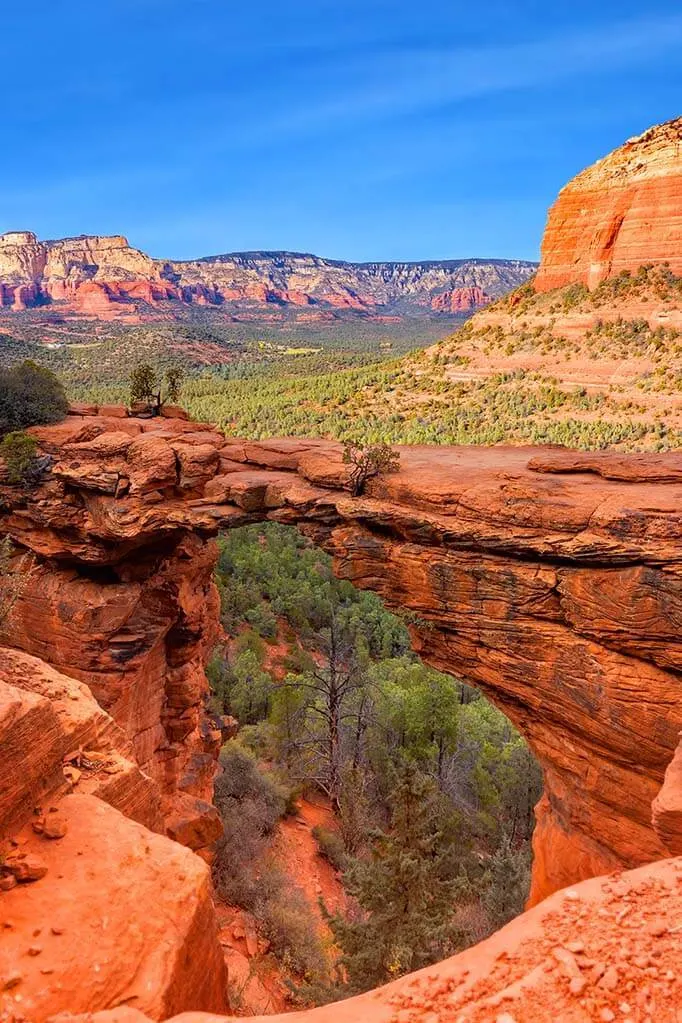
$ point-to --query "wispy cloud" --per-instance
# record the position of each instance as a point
(401, 82)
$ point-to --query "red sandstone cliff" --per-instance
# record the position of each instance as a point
(623, 212)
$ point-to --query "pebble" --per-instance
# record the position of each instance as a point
(577, 985)
(12, 980)
(55, 826)
(575, 946)
(607, 1016)
(609, 982)
(27, 868)
(567, 960)
(35, 950)
(505, 1017)
(597, 971)
(8, 882)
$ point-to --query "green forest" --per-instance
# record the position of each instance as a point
(432, 788)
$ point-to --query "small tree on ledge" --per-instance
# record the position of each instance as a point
(368, 461)
(143, 384)
(145, 388)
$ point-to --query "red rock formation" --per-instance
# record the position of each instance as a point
(605, 950)
(555, 591)
(105, 278)
(93, 298)
(46, 718)
(460, 300)
(619, 214)
(667, 806)
(552, 592)
(116, 913)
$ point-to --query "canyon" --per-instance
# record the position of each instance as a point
(106, 278)
(549, 578)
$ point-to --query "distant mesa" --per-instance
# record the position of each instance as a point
(106, 278)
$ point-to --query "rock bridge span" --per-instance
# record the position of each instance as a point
(550, 579)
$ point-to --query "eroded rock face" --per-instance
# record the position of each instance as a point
(56, 739)
(619, 214)
(96, 909)
(549, 579)
(121, 916)
(105, 278)
(556, 592)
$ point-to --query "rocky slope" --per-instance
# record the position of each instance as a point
(549, 579)
(605, 950)
(591, 349)
(107, 278)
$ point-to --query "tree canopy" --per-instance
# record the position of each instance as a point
(30, 395)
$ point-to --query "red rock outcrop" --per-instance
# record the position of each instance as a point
(96, 909)
(605, 950)
(121, 916)
(550, 582)
(460, 300)
(621, 213)
(667, 806)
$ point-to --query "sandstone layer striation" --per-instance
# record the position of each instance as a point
(623, 212)
(550, 580)
(106, 278)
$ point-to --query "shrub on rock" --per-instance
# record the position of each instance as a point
(30, 395)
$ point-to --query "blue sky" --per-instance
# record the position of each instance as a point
(359, 129)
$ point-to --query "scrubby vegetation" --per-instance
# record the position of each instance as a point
(365, 461)
(30, 395)
(502, 377)
(332, 700)
(15, 571)
(18, 453)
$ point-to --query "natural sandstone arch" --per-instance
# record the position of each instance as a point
(550, 581)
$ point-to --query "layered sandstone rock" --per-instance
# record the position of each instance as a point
(95, 908)
(549, 580)
(57, 739)
(621, 213)
(460, 300)
(555, 592)
(103, 277)
(122, 916)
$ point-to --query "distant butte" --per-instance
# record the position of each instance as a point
(621, 213)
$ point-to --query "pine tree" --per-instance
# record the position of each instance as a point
(174, 378)
(506, 883)
(406, 891)
(142, 383)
